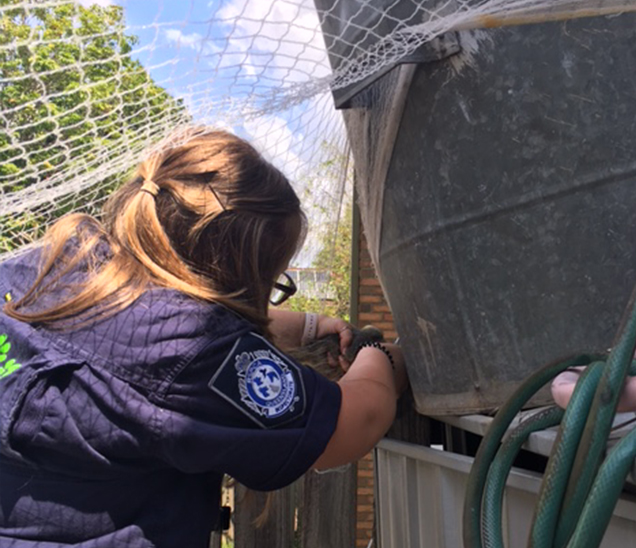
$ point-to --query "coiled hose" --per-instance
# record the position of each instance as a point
(579, 489)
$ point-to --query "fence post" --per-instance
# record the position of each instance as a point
(328, 511)
(278, 530)
(215, 539)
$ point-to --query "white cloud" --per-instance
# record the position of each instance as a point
(280, 40)
(274, 138)
(192, 40)
(88, 3)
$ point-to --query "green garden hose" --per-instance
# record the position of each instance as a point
(578, 494)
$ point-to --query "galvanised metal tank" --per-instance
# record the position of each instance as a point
(507, 229)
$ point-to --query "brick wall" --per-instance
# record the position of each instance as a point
(364, 502)
(372, 309)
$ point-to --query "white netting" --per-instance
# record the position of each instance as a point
(86, 85)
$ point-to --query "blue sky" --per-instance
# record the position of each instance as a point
(224, 57)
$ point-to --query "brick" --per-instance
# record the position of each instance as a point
(370, 281)
(383, 308)
(370, 290)
(365, 473)
(364, 491)
(385, 323)
(370, 317)
(371, 299)
(365, 508)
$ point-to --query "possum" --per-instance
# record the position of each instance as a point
(315, 354)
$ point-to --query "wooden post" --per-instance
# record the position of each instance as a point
(278, 530)
(215, 540)
(329, 508)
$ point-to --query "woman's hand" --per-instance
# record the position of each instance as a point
(370, 390)
(290, 330)
(563, 387)
(335, 326)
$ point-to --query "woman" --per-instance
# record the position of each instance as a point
(142, 361)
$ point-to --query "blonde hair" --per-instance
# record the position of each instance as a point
(207, 216)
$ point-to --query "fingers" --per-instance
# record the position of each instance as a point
(627, 401)
(337, 361)
(564, 384)
(346, 337)
(344, 330)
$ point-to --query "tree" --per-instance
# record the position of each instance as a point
(69, 91)
(334, 257)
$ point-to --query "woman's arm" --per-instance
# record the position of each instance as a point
(370, 390)
(288, 328)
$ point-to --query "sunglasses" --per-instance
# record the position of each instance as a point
(284, 288)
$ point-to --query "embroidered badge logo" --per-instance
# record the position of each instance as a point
(261, 382)
(6, 367)
(266, 384)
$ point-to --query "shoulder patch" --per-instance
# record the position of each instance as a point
(261, 382)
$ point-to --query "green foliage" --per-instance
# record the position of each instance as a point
(335, 258)
(69, 92)
(303, 303)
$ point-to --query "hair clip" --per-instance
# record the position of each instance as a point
(218, 198)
